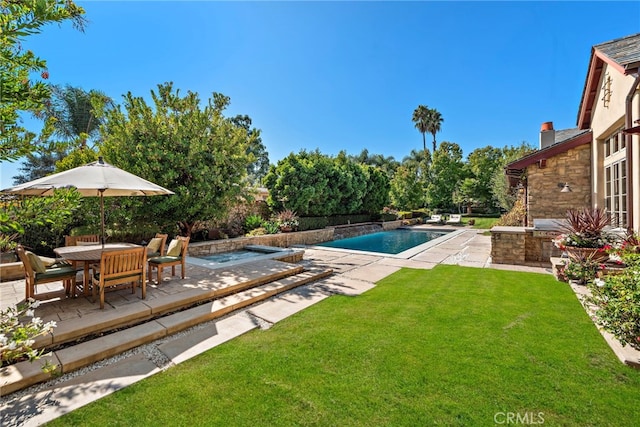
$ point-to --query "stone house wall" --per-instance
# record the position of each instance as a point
(544, 199)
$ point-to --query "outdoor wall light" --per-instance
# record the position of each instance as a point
(565, 187)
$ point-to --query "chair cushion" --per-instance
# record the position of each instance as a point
(47, 261)
(36, 263)
(175, 248)
(165, 259)
(56, 272)
(154, 244)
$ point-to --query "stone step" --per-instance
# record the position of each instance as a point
(131, 314)
(24, 374)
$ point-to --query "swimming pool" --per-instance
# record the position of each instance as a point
(391, 242)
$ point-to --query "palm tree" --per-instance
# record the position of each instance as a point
(434, 122)
(421, 120)
(77, 115)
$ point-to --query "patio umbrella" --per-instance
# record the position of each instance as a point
(97, 179)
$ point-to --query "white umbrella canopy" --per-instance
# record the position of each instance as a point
(96, 179)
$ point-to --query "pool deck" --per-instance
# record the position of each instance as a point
(354, 273)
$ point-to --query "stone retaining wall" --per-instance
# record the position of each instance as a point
(280, 240)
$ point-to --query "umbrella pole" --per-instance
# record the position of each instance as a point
(102, 217)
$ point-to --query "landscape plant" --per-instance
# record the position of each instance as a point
(287, 219)
(585, 228)
(617, 296)
(516, 217)
(37, 222)
(252, 222)
(17, 335)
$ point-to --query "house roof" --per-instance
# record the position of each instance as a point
(622, 54)
(565, 140)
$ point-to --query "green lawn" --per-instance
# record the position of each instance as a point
(481, 222)
(448, 346)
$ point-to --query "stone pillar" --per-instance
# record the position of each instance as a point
(508, 245)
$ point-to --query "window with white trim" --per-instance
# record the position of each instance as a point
(615, 178)
(615, 144)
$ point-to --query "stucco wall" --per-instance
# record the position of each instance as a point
(544, 199)
(604, 121)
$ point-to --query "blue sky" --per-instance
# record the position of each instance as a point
(348, 75)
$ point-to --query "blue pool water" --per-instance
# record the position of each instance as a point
(386, 242)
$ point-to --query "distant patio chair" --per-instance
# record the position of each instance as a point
(73, 240)
(36, 274)
(176, 255)
(435, 219)
(454, 219)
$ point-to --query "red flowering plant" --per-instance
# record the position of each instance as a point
(586, 228)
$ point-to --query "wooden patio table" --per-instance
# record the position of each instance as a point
(88, 254)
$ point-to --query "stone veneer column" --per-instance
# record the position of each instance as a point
(508, 245)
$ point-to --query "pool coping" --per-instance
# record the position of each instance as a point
(407, 254)
(270, 252)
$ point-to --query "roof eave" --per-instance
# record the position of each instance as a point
(551, 151)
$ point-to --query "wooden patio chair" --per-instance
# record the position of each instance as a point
(121, 269)
(83, 239)
(176, 255)
(157, 246)
(36, 274)
(73, 240)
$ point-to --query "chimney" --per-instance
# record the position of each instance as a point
(547, 135)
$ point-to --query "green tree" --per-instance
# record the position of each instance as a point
(419, 162)
(481, 166)
(19, 93)
(301, 182)
(349, 185)
(194, 151)
(76, 115)
(405, 191)
(434, 123)
(447, 172)
(377, 192)
(314, 184)
(38, 165)
(421, 122)
(386, 164)
(500, 188)
(259, 166)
